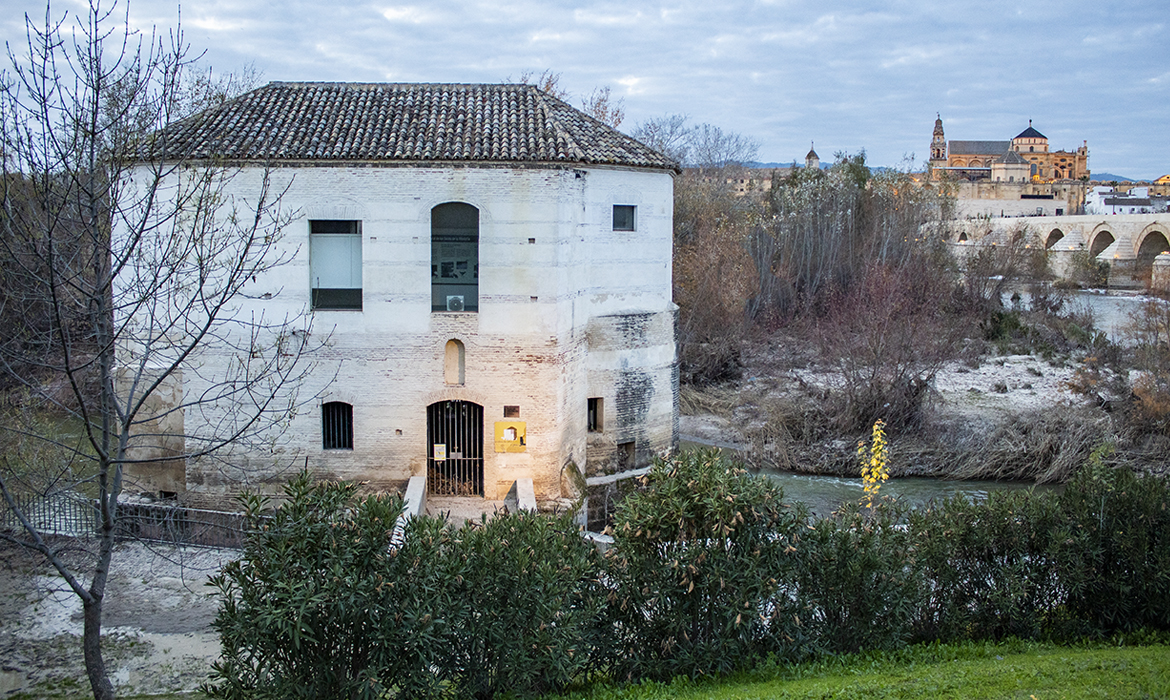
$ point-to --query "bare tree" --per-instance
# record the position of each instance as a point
(711, 147)
(547, 81)
(599, 104)
(126, 264)
(669, 135)
(827, 227)
(604, 107)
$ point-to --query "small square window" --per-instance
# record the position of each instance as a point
(596, 416)
(337, 426)
(623, 217)
(511, 411)
(627, 455)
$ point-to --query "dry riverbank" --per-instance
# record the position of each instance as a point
(1011, 417)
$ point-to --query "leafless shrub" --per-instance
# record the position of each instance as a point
(1149, 410)
(707, 400)
(825, 228)
(886, 339)
(990, 270)
(1043, 447)
(713, 276)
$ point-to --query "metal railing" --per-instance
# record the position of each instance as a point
(73, 515)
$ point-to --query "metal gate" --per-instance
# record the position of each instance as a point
(455, 448)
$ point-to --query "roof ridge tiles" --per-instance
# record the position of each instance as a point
(403, 122)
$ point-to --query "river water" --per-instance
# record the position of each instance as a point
(824, 494)
(1111, 309)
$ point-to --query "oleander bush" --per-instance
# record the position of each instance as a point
(704, 566)
(988, 568)
(709, 572)
(319, 606)
(861, 580)
(323, 604)
(1113, 549)
(529, 594)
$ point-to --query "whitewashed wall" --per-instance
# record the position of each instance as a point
(569, 309)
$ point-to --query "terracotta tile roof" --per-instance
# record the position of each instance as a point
(407, 122)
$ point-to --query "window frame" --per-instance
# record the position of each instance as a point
(444, 240)
(339, 298)
(336, 426)
(595, 415)
(633, 217)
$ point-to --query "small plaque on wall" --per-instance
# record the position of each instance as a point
(511, 436)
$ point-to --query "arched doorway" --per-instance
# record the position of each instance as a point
(1101, 241)
(455, 448)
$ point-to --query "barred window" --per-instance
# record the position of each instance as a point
(337, 426)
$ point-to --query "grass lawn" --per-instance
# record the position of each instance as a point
(1005, 670)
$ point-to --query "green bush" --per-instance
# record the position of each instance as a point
(860, 577)
(1113, 549)
(988, 566)
(529, 593)
(703, 565)
(319, 607)
(710, 572)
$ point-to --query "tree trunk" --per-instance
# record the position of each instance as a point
(95, 666)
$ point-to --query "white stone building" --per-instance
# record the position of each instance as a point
(1104, 200)
(494, 268)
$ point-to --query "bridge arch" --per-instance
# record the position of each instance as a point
(1099, 240)
(1152, 242)
(1155, 228)
(1053, 238)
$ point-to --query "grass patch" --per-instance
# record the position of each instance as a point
(1010, 669)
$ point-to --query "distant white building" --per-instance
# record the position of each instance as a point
(495, 269)
(1104, 200)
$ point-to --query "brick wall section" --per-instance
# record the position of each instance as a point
(569, 309)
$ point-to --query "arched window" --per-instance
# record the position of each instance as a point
(454, 257)
(336, 426)
(454, 363)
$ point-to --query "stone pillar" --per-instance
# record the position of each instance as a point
(1160, 279)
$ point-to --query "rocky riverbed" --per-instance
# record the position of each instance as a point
(157, 631)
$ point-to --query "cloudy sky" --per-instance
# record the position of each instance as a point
(847, 75)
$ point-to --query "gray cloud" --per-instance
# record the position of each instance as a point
(849, 75)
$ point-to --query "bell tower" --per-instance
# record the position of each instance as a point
(938, 144)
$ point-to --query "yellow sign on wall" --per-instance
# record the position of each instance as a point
(511, 436)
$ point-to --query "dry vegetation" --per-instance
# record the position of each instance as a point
(831, 301)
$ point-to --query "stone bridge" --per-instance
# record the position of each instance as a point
(1131, 244)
